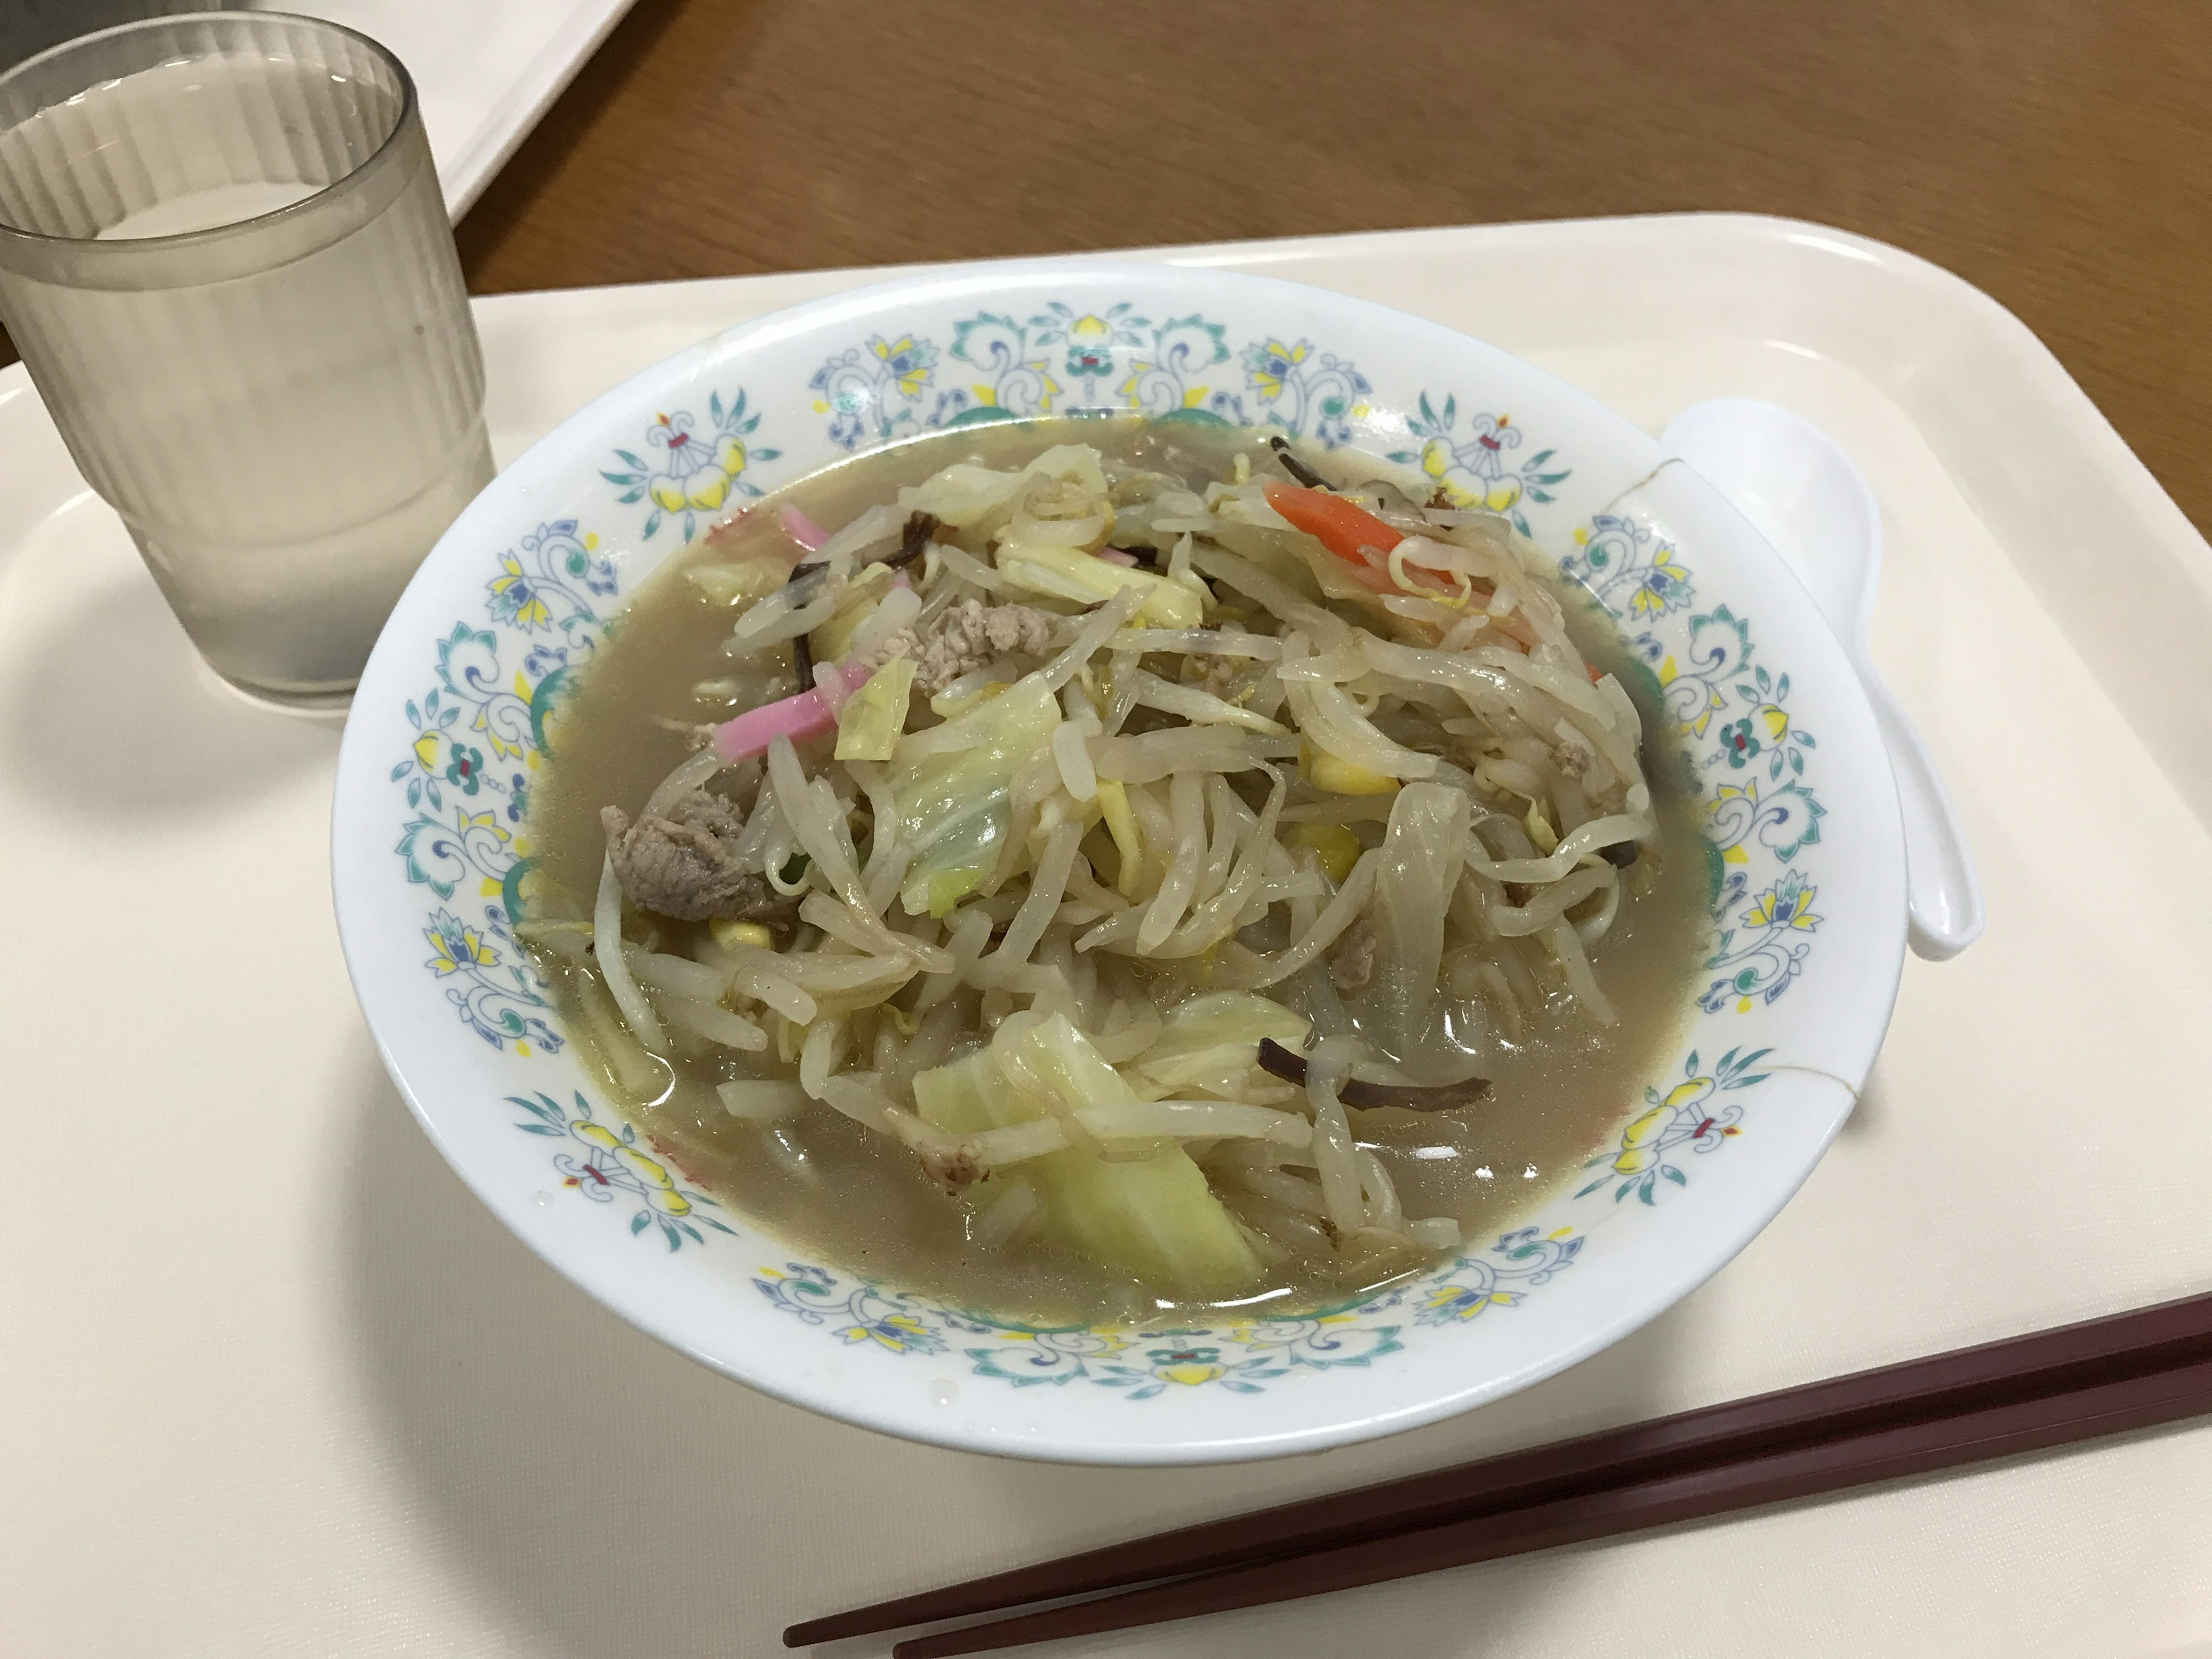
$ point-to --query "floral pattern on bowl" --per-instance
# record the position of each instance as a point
(1141, 1364)
(515, 600)
(1061, 361)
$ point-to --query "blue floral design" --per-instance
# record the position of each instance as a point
(1476, 1285)
(495, 993)
(548, 584)
(1090, 339)
(858, 1314)
(1734, 711)
(1784, 819)
(1763, 947)
(1628, 570)
(882, 391)
(478, 732)
(1785, 741)
(1306, 391)
(1170, 377)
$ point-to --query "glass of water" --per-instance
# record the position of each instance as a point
(225, 258)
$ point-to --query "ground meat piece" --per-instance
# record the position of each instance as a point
(900, 642)
(683, 864)
(1220, 676)
(952, 1167)
(1572, 758)
(973, 634)
(1352, 958)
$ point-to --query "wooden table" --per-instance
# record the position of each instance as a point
(2056, 154)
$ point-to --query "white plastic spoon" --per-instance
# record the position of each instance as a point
(1808, 497)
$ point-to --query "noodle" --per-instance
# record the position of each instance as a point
(1349, 901)
(607, 945)
(1335, 1161)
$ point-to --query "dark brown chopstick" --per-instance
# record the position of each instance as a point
(2142, 1401)
(2046, 1362)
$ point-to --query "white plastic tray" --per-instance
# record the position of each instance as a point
(485, 70)
(275, 1384)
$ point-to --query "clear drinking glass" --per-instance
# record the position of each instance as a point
(225, 258)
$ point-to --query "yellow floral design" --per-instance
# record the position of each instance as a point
(513, 594)
(1243, 1358)
(1471, 469)
(1663, 579)
(612, 1166)
(697, 472)
(1774, 718)
(1269, 365)
(701, 485)
(1689, 1116)
(1735, 852)
(1788, 903)
(897, 1332)
(1131, 392)
(1636, 575)
(1492, 495)
(908, 361)
(1046, 387)
(655, 1184)
(1459, 1303)
(455, 945)
(1639, 1140)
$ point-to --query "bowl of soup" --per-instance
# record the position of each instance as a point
(1118, 863)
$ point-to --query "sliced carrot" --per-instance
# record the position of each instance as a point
(1335, 523)
(1344, 529)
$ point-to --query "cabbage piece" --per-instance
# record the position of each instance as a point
(1064, 573)
(1416, 871)
(953, 784)
(1151, 1215)
(1211, 1044)
(747, 579)
(968, 497)
(873, 718)
(856, 603)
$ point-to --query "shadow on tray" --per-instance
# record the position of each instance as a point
(109, 712)
(610, 1496)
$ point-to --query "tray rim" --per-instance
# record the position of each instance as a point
(29, 486)
(2118, 464)
(514, 115)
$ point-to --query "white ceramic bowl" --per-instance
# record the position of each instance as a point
(443, 738)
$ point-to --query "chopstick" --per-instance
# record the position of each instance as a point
(2044, 1363)
(2138, 1401)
